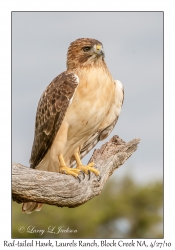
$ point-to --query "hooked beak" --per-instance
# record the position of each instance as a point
(98, 49)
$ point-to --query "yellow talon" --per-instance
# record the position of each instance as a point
(79, 169)
(87, 168)
(69, 171)
(66, 170)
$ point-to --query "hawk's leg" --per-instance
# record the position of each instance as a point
(66, 170)
(86, 169)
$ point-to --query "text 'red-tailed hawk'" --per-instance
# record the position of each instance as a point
(78, 108)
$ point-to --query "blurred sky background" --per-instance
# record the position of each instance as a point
(133, 44)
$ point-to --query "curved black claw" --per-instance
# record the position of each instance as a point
(89, 175)
(83, 174)
(98, 178)
(79, 179)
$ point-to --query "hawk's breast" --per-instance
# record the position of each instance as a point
(91, 103)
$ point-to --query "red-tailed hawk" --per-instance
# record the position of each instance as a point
(78, 108)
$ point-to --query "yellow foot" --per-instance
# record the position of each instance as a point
(86, 169)
(70, 171)
(89, 168)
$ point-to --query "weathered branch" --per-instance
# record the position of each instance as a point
(64, 190)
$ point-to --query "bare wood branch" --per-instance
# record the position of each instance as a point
(64, 190)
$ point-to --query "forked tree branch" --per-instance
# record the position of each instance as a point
(65, 190)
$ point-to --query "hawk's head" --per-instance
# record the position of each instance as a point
(84, 52)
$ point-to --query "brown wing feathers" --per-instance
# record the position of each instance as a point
(50, 113)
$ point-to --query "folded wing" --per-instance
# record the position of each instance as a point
(50, 113)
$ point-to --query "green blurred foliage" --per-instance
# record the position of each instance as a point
(124, 209)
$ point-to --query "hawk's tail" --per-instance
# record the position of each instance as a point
(29, 207)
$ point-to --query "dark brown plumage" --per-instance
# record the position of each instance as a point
(50, 113)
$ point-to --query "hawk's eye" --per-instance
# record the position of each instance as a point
(86, 49)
